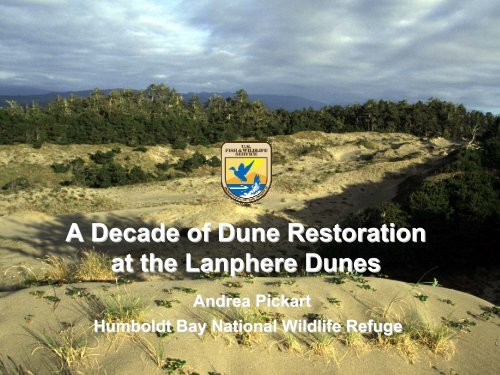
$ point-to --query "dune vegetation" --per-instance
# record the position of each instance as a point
(430, 165)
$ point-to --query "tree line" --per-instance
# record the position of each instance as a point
(159, 115)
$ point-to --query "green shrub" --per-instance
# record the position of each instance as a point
(468, 197)
(102, 157)
(465, 161)
(108, 175)
(387, 213)
(163, 166)
(195, 161)
(491, 153)
(214, 161)
(60, 168)
(140, 149)
(17, 184)
(137, 175)
(101, 176)
(431, 202)
(37, 144)
(462, 203)
(179, 144)
(78, 162)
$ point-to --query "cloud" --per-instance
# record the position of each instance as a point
(336, 52)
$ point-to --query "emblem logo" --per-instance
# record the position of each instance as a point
(246, 170)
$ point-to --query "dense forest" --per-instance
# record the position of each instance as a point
(159, 115)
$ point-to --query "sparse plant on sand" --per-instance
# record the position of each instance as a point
(77, 292)
(422, 297)
(291, 343)
(416, 335)
(488, 312)
(354, 340)
(174, 366)
(232, 294)
(247, 315)
(162, 335)
(274, 283)
(53, 299)
(458, 325)
(70, 348)
(8, 366)
(185, 290)
(447, 301)
(366, 287)
(37, 293)
(438, 339)
(215, 275)
(323, 345)
(233, 284)
(311, 317)
(155, 353)
(333, 301)
(337, 279)
(166, 303)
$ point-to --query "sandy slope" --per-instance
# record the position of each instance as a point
(317, 179)
(475, 348)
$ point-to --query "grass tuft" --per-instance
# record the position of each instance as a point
(354, 340)
(323, 345)
(116, 308)
(70, 349)
(291, 343)
(92, 266)
(155, 353)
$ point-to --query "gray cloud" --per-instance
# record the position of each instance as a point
(333, 51)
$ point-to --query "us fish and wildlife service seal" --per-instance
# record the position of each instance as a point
(246, 170)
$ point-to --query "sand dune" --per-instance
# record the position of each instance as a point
(470, 349)
(345, 173)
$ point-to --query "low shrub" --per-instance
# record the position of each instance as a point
(195, 161)
(101, 157)
(60, 167)
(163, 166)
(20, 183)
(179, 144)
(214, 161)
(37, 144)
(140, 149)
(109, 174)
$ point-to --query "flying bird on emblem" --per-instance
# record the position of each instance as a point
(242, 171)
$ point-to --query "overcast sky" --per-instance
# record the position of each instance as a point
(332, 51)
